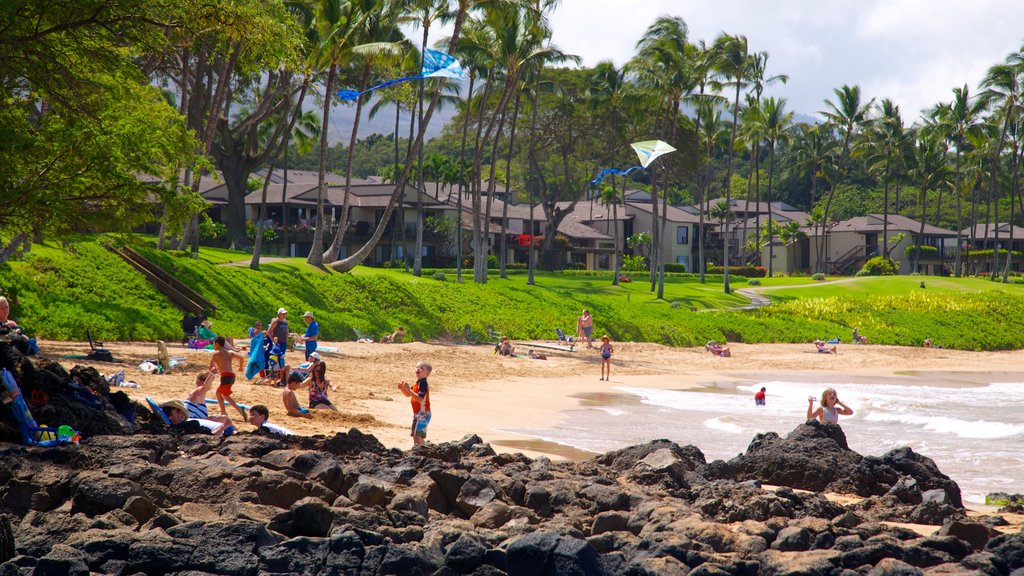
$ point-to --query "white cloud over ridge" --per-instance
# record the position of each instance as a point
(912, 51)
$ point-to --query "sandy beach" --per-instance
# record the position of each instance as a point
(475, 391)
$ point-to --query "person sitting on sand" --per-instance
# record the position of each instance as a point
(823, 348)
(195, 404)
(259, 416)
(304, 369)
(291, 403)
(928, 343)
(396, 337)
(721, 350)
(828, 412)
(505, 348)
(859, 338)
(318, 386)
(536, 355)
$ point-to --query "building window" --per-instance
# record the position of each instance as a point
(682, 235)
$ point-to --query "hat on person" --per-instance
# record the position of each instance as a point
(282, 311)
(308, 314)
(174, 404)
(314, 356)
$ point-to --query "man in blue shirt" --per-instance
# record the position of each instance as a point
(312, 333)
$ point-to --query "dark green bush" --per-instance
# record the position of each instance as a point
(673, 267)
(745, 271)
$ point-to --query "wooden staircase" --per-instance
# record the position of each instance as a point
(180, 294)
(841, 265)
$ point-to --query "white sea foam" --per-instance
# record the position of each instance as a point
(722, 424)
(947, 425)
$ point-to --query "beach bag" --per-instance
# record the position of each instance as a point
(100, 355)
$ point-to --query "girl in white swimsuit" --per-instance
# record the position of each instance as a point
(830, 409)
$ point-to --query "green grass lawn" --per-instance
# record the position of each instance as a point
(64, 290)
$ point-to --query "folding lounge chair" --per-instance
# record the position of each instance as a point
(492, 334)
(562, 337)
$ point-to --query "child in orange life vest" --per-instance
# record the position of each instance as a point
(419, 397)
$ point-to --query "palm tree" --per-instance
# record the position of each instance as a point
(606, 90)
(338, 27)
(846, 115)
(722, 212)
(731, 65)
(929, 170)
(776, 131)
(360, 254)
(882, 147)
(958, 120)
(1002, 92)
(379, 38)
(812, 154)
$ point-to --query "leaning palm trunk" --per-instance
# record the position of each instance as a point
(316, 253)
(462, 179)
(339, 237)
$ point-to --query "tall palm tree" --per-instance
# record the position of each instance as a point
(882, 147)
(846, 116)
(361, 253)
(776, 131)
(338, 27)
(606, 90)
(930, 171)
(1002, 91)
(378, 39)
(812, 154)
(958, 119)
(759, 80)
(731, 65)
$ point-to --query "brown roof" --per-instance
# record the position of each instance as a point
(980, 232)
(873, 223)
(673, 214)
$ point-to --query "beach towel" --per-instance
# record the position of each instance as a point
(257, 360)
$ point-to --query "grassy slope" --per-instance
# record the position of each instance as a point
(62, 293)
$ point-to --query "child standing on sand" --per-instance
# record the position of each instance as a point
(419, 396)
(606, 357)
(221, 363)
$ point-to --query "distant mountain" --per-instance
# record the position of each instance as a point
(343, 116)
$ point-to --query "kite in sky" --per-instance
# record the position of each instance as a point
(647, 151)
(435, 65)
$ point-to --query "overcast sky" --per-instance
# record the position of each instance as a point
(912, 51)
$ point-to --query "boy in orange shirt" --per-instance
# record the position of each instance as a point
(419, 396)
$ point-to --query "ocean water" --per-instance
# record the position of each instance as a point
(971, 426)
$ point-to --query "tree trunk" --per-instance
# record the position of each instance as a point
(333, 250)
(503, 244)
(462, 177)
(316, 252)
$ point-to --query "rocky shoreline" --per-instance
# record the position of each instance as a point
(134, 498)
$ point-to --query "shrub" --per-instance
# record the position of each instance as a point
(926, 251)
(747, 271)
(210, 230)
(862, 272)
(439, 276)
(575, 266)
(753, 282)
(818, 276)
(879, 266)
(634, 263)
(269, 234)
(673, 267)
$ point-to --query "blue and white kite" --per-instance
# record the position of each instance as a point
(435, 65)
(647, 151)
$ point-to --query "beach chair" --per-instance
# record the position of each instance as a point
(96, 350)
(563, 338)
(362, 336)
(471, 337)
(492, 334)
(32, 434)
